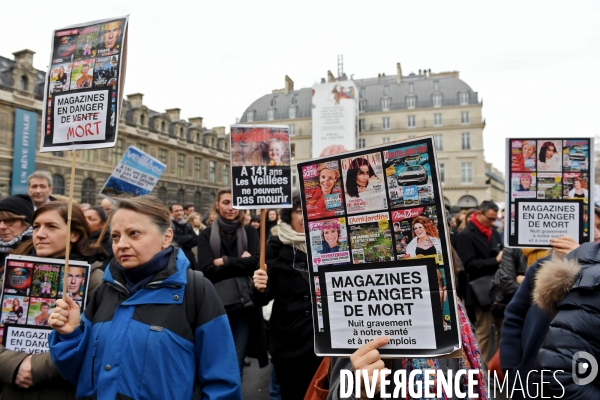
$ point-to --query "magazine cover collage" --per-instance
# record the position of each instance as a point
(374, 209)
(31, 287)
(549, 171)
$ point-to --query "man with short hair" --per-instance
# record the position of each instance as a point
(188, 209)
(183, 233)
(479, 247)
(39, 186)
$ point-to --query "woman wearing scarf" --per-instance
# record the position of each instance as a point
(228, 254)
(15, 224)
(286, 281)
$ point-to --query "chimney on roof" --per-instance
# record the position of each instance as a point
(399, 73)
(136, 99)
(419, 72)
(330, 77)
(429, 71)
(173, 114)
(196, 122)
(289, 85)
(24, 57)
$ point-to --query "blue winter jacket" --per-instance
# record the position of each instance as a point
(143, 347)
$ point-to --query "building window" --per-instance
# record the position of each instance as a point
(411, 101)
(180, 165)
(362, 143)
(88, 191)
(162, 156)
(271, 114)
(211, 171)
(58, 154)
(411, 121)
(466, 140)
(386, 90)
(466, 172)
(362, 92)
(197, 201)
(464, 117)
(181, 196)
(464, 98)
(362, 125)
(293, 112)
(362, 105)
(163, 126)
(162, 194)
(385, 123)
(436, 85)
(273, 101)
(117, 152)
(250, 116)
(181, 133)
(197, 168)
(437, 100)
(24, 83)
(292, 130)
(442, 173)
(385, 104)
(437, 119)
(143, 147)
(293, 150)
(439, 142)
(142, 120)
(411, 88)
(58, 184)
(89, 155)
(385, 140)
(295, 100)
(225, 175)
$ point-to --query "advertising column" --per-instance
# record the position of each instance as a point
(24, 149)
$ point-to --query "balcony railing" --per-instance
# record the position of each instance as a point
(419, 124)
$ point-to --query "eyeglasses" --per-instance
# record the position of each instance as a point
(9, 221)
(489, 218)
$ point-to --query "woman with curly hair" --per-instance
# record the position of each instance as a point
(580, 189)
(426, 239)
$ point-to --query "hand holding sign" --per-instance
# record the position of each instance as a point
(260, 279)
(367, 358)
(564, 245)
(66, 316)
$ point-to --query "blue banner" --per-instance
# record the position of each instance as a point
(24, 149)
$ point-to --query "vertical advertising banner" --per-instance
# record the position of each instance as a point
(84, 86)
(136, 174)
(334, 117)
(378, 249)
(261, 174)
(549, 191)
(30, 288)
(24, 146)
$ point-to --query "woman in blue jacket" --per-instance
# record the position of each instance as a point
(135, 339)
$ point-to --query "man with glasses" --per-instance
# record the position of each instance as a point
(479, 247)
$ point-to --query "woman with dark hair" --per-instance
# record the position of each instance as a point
(228, 254)
(286, 282)
(549, 157)
(360, 196)
(34, 376)
(271, 221)
(358, 175)
(426, 239)
(141, 336)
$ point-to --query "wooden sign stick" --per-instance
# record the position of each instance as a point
(263, 238)
(69, 214)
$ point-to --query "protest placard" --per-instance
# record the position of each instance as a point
(548, 191)
(30, 288)
(261, 175)
(379, 254)
(136, 174)
(84, 85)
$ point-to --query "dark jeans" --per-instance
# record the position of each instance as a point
(240, 329)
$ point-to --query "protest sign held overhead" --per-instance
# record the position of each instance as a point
(84, 86)
(261, 175)
(136, 174)
(549, 190)
(30, 289)
(379, 254)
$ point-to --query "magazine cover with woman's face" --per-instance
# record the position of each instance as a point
(323, 187)
(416, 233)
(364, 183)
(329, 242)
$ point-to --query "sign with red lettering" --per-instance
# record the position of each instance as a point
(84, 86)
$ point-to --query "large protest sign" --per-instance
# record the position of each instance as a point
(378, 249)
(30, 288)
(334, 116)
(84, 86)
(261, 174)
(549, 190)
(136, 174)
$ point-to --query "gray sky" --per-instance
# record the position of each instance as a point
(535, 64)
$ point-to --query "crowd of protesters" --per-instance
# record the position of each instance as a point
(152, 328)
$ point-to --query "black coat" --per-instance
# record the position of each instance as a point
(476, 253)
(512, 264)
(186, 238)
(291, 319)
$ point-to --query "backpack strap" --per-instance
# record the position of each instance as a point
(194, 294)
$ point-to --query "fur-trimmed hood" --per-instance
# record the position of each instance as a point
(558, 276)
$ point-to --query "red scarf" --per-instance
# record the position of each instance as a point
(487, 232)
